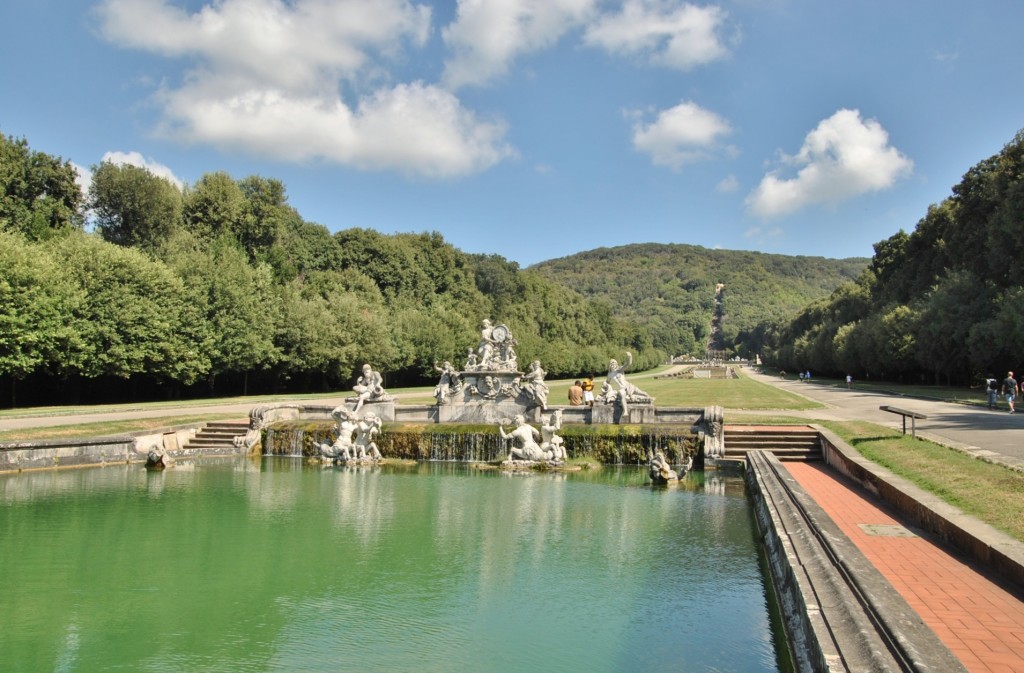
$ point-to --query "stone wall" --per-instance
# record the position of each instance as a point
(15, 456)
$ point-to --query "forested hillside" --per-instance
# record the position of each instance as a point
(942, 304)
(668, 291)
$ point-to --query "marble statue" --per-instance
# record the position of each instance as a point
(485, 349)
(341, 449)
(369, 388)
(626, 391)
(607, 395)
(365, 447)
(551, 444)
(524, 438)
(660, 470)
(533, 383)
(495, 351)
(449, 384)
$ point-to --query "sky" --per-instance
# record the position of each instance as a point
(536, 129)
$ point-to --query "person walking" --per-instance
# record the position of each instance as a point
(1010, 390)
(992, 388)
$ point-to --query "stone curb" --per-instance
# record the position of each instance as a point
(840, 613)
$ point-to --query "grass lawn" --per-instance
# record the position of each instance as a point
(108, 428)
(991, 493)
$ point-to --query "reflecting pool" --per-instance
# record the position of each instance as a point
(276, 565)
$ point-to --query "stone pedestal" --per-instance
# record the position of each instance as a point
(385, 409)
(612, 414)
(485, 412)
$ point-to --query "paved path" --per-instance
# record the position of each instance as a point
(977, 429)
(980, 622)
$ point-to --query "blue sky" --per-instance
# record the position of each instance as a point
(535, 129)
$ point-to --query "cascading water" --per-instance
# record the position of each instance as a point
(611, 445)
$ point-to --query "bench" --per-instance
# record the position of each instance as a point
(905, 413)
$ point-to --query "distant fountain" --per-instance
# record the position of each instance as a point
(489, 390)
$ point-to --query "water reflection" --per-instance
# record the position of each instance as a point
(279, 565)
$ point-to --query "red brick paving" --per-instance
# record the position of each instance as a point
(981, 623)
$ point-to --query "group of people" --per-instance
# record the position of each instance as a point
(582, 392)
(1009, 388)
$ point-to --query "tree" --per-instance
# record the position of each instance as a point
(238, 304)
(39, 194)
(133, 317)
(133, 207)
(215, 206)
(38, 301)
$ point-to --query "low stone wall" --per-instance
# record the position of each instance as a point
(840, 613)
(49, 454)
(979, 541)
(15, 456)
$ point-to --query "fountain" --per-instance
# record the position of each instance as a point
(489, 391)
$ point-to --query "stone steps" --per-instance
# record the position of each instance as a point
(787, 443)
(218, 436)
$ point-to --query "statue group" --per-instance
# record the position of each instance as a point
(490, 374)
(355, 437)
(525, 446)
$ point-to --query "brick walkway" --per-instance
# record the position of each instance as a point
(981, 623)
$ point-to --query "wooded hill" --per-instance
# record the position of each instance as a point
(943, 304)
(668, 291)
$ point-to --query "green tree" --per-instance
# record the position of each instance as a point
(130, 321)
(39, 194)
(133, 207)
(215, 206)
(38, 303)
(237, 303)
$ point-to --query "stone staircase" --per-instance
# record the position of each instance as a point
(787, 442)
(217, 437)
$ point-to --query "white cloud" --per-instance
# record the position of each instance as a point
(680, 135)
(487, 35)
(669, 33)
(136, 159)
(843, 157)
(728, 185)
(268, 75)
(83, 177)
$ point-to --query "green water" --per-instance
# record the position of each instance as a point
(275, 565)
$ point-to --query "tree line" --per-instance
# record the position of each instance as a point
(943, 304)
(144, 290)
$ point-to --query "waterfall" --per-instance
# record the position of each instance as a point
(481, 443)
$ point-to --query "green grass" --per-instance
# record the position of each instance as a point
(108, 428)
(991, 493)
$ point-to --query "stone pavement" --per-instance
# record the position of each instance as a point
(980, 621)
